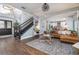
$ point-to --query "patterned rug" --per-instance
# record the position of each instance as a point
(56, 48)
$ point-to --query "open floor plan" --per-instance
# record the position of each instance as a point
(39, 29)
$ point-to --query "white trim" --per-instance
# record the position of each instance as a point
(26, 37)
(29, 36)
(5, 36)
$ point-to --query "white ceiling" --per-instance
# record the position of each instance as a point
(36, 8)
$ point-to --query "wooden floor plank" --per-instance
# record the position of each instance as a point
(10, 46)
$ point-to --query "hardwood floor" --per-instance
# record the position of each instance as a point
(10, 46)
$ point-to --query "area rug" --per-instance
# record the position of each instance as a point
(56, 48)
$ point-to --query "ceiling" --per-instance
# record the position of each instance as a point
(36, 8)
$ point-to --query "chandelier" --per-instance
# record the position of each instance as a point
(45, 7)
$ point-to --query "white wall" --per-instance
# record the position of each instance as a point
(78, 27)
(42, 24)
(20, 17)
(28, 33)
(6, 16)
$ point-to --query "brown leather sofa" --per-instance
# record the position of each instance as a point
(72, 38)
(68, 38)
(55, 34)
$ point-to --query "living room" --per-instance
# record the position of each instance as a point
(63, 30)
(47, 30)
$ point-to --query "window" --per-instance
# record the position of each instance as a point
(63, 24)
(8, 24)
(54, 24)
(2, 25)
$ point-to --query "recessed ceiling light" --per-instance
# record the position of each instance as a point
(23, 7)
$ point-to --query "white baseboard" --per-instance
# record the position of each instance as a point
(26, 37)
(22, 38)
(5, 36)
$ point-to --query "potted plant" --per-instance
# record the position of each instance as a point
(16, 29)
(16, 24)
